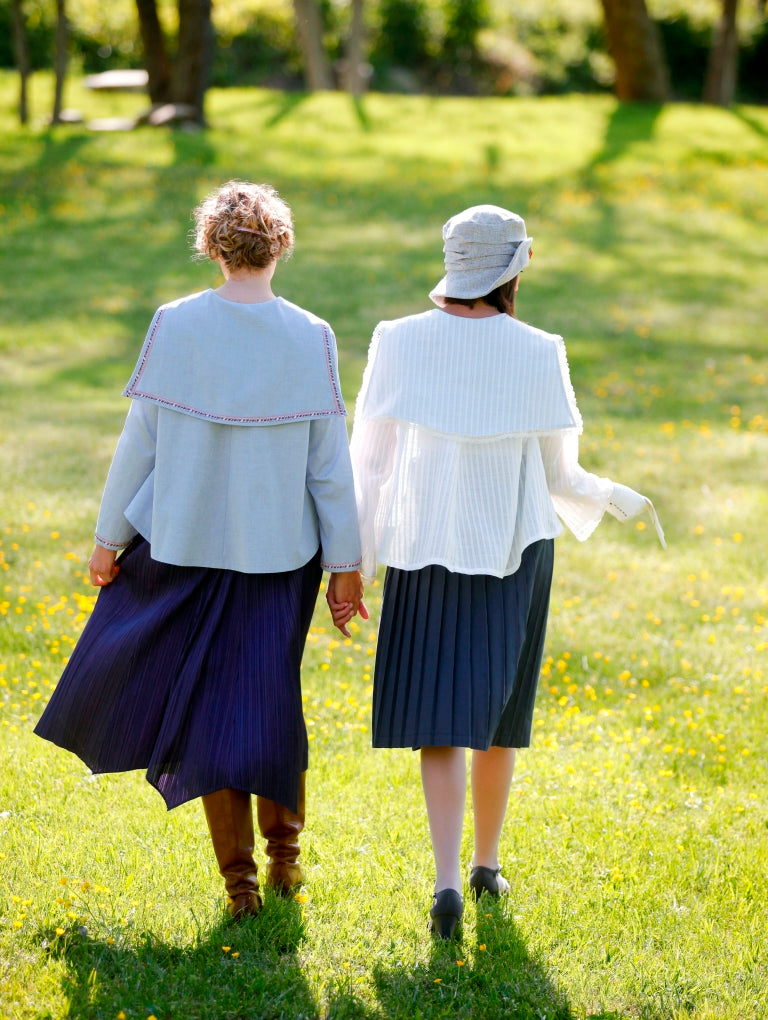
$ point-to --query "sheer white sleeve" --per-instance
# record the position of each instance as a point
(579, 497)
(372, 448)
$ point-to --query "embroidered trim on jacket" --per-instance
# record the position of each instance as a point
(132, 390)
(111, 545)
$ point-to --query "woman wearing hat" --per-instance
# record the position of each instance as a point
(465, 452)
(229, 492)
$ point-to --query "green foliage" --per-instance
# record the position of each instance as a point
(260, 47)
(636, 839)
(403, 36)
(40, 34)
(463, 22)
(468, 46)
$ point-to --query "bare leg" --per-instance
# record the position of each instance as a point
(491, 780)
(444, 779)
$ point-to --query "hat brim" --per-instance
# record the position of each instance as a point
(473, 285)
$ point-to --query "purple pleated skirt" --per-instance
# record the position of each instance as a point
(191, 673)
(459, 655)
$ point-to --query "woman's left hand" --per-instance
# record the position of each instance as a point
(102, 566)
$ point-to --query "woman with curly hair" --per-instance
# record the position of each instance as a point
(229, 493)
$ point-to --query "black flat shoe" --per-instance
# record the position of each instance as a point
(488, 880)
(447, 908)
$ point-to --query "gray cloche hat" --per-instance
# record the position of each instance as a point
(485, 246)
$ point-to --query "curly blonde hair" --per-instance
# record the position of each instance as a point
(247, 225)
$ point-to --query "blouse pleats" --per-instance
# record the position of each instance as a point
(192, 674)
(459, 655)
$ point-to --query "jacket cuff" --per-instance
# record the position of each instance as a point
(340, 568)
(106, 544)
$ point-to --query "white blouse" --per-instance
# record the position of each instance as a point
(465, 445)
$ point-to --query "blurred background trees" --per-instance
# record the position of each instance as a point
(634, 43)
(180, 79)
(649, 50)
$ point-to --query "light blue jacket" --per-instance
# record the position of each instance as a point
(234, 452)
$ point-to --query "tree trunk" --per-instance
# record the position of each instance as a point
(355, 79)
(21, 50)
(194, 55)
(635, 45)
(309, 22)
(155, 52)
(720, 82)
(62, 44)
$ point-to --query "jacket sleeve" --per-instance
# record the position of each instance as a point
(580, 498)
(132, 464)
(329, 480)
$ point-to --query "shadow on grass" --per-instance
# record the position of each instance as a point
(192, 148)
(289, 103)
(489, 973)
(358, 105)
(752, 122)
(232, 971)
(628, 124)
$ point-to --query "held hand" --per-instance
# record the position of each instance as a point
(344, 596)
(625, 503)
(102, 566)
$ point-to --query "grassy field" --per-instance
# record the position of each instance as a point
(637, 834)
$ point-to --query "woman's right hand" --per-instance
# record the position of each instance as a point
(625, 504)
(102, 566)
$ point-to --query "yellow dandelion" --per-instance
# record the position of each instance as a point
(301, 898)
(60, 931)
(235, 955)
(459, 963)
(225, 949)
(438, 981)
(481, 947)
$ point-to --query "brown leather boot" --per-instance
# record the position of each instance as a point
(281, 827)
(230, 821)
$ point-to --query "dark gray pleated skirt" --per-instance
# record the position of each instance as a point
(459, 655)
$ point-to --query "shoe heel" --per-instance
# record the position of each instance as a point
(445, 915)
(444, 926)
(488, 880)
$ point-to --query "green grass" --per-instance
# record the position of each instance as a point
(637, 834)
